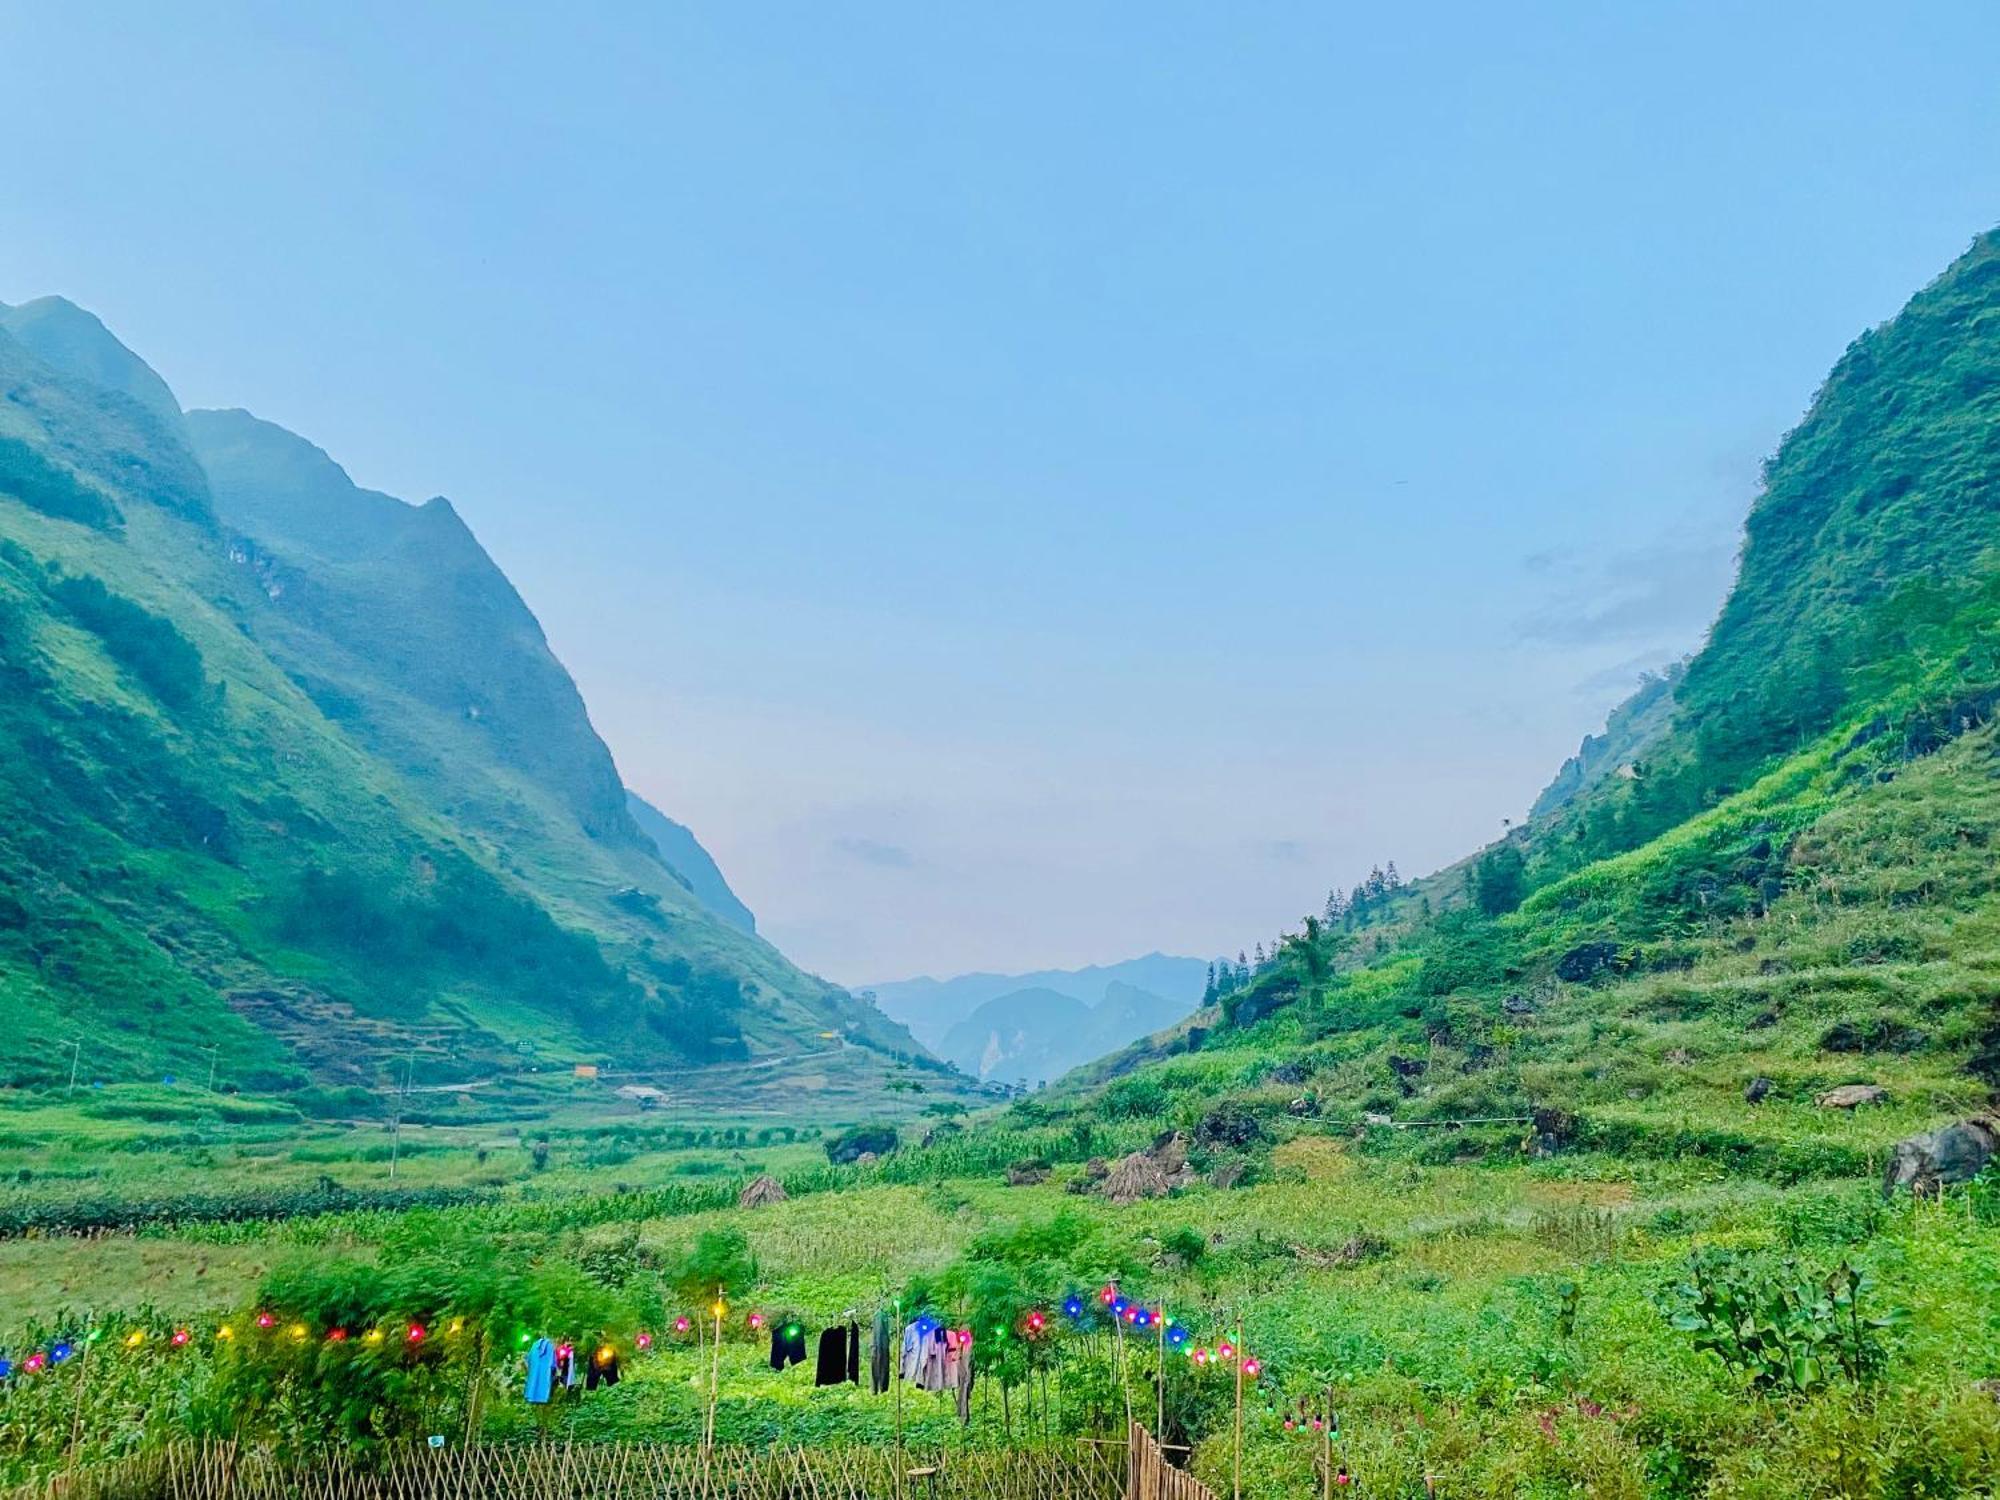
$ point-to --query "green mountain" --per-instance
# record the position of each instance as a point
(288, 770)
(687, 859)
(1791, 881)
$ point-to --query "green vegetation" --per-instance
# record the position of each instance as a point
(1555, 1173)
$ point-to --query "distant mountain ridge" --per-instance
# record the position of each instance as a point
(1034, 1035)
(931, 1007)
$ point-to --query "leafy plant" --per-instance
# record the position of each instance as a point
(1784, 1328)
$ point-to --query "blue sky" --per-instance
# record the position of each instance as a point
(1033, 484)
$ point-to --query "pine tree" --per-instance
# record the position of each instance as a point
(1257, 963)
(1395, 880)
(1208, 991)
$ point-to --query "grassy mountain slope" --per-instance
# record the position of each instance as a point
(237, 815)
(1647, 996)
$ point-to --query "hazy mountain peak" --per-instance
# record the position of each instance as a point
(75, 342)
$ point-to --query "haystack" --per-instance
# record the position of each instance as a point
(766, 1189)
(1152, 1173)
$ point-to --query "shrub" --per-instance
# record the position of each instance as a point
(145, 644)
(1782, 1328)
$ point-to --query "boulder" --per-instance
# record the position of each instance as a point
(1942, 1158)
(1585, 962)
(1228, 1125)
(1305, 1107)
(763, 1190)
(1852, 1096)
(1518, 1005)
(1407, 1067)
(1757, 1090)
(1229, 1173)
(1553, 1130)
(1027, 1173)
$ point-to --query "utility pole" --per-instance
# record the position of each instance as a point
(75, 1058)
(396, 1120)
(214, 1057)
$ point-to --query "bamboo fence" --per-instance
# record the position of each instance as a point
(1148, 1475)
(605, 1471)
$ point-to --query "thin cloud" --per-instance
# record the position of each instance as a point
(874, 852)
(1669, 591)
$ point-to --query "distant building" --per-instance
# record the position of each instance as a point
(586, 1070)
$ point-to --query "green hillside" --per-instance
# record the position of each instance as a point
(287, 770)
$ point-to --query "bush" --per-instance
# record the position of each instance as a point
(145, 644)
(43, 485)
(1781, 1328)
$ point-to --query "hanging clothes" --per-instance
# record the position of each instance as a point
(878, 1354)
(927, 1348)
(603, 1369)
(567, 1373)
(541, 1370)
(788, 1344)
(962, 1383)
(839, 1355)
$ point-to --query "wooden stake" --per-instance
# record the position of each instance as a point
(1236, 1458)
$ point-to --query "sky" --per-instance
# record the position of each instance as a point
(1030, 485)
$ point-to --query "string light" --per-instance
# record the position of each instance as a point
(181, 1336)
(336, 1336)
(59, 1353)
(1073, 1307)
(372, 1336)
(644, 1341)
(298, 1330)
(135, 1338)
(416, 1333)
(681, 1325)
(225, 1333)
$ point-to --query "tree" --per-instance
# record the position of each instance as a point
(1500, 881)
(1208, 992)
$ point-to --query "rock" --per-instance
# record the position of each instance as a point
(1757, 1090)
(1680, 1057)
(866, 1159)
(1229, 1173)
(1553, 1130)
(1852, 1096)
(764, 1189)
(1228, 1125)
(1027, 1173)
(1942, 1158)
(1518, 1005)
(1407, 1067)
(1585, 962)
(1878, 1035)
(1988, 1388)
(1305, 1107)
(1297, 1071)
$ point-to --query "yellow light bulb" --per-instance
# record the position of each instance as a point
(135, 1338)
(225, 1332)
(374, 1336)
